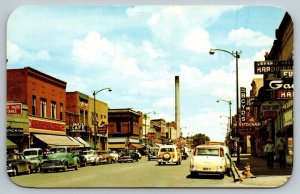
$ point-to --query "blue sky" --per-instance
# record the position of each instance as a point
(138, 51)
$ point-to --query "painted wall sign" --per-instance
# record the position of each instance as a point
(14, 108)
(37, 124)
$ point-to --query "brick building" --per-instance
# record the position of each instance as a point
(124, 126)
(45, 97)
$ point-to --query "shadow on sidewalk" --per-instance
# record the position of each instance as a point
(259, 166)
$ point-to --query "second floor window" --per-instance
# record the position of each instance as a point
(33, 105)
(53, 110)
(43, 107)
(61, 112)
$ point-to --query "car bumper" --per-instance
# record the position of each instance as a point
(167, 161)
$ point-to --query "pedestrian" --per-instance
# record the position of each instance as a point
(281, 149)
(269, 151)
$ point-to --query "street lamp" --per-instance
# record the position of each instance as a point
(145, 117)
(95, 116)
(229, 103)
(236, 55)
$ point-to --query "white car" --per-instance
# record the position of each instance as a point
(211, 159)
(91, 157)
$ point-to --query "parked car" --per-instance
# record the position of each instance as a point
(211, 159)
(134, 154)
(114, 154)
(35, 156)
(169, 154)
(60, 158)
(153, 153)
(125, 156)
(91, 157)
(105, 157)
(17, 164)
(79, 154)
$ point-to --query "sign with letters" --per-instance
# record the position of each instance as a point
(272, 67)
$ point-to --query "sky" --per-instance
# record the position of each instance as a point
(138, 50)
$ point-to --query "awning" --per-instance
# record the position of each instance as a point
(82, 141)
(10, 144)
(136, 145)
(116, 146)
(57, 140)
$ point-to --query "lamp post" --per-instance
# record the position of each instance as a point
(229, 103)
(236, 55)
(145, 117)
(95, 116)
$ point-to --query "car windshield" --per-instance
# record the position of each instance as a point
(14, 157)
(207, 152)
(57, 150)
(167, 149)
(30, 153)
(87, 152)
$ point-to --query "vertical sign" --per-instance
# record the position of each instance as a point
(243, 104)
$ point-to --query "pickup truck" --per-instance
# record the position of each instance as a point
(35, 156)
(60, 158)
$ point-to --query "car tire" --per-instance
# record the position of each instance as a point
(15, 172)
(38, 169)
(194, 174)
(76, 166)
(65, 168)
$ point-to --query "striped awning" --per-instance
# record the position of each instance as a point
(52, 140)
(82, 141)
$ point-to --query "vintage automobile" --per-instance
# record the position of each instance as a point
(128, 155)
(17, 164)
(60, 158)
(105, 157)
(211, 159)
(169, 154)
(91, 157)
(114, 154)
(35, 156)
(82, 158)
(153, 153)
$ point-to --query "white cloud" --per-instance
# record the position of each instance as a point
(150, 50)
(165, 102)
(14, 53)
(247, 37)
(42, 55)
(197, 40)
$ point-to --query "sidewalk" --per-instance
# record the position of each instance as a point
(261, 175)
(259, 166)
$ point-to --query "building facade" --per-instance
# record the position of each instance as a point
(124, 128)
(45, 97)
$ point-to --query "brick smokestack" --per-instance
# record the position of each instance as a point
(177, 106)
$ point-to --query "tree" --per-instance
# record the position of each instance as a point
(199, 139)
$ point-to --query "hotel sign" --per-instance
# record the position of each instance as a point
(243, 104)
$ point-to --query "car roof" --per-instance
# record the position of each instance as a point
(211, 146)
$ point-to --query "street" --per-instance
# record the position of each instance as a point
(142, 174)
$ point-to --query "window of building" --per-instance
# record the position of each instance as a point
(43, 107)
(53, 110)
(61, 111)
(118, 127)
(33, 105)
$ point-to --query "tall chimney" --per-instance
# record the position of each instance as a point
(177, 106)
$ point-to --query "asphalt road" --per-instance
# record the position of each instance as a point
(142, 174)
